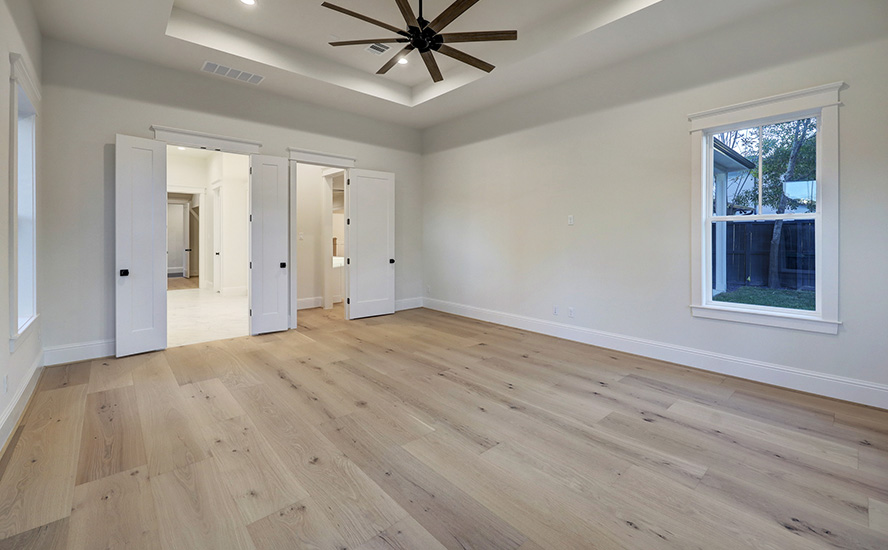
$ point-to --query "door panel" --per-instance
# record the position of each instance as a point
(140, 245)
(269, 244)
(217, 239)
(370, 207)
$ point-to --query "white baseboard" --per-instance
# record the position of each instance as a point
(838, 387)
(310, 303)
(10, 417)
(71, 353)
(408, 303)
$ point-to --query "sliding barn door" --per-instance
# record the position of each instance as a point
(269, 244)
(370, 213)
(140, 245)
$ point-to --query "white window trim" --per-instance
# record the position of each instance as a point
(19, 75)
(823, 102)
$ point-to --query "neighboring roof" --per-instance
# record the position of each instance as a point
(729, 159)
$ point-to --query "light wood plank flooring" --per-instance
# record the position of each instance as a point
(181, 283)
(426, 431)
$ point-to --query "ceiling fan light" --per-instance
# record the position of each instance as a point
(249, 2)
(403, 61)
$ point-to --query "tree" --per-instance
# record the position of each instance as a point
(788, 154)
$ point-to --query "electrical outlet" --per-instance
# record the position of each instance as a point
(570, 312)
(570, 220)
(554, 310)
(429, 289)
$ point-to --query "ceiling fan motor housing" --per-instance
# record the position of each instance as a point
(423, 38)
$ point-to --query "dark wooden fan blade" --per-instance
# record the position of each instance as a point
(479, 36)
(447, 16)
(407, 12)
(465, 58)
(370, 41)
(394, 61)
(357, 15)
(432, 66)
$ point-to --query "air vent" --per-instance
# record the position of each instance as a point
(234, 74)
(378, 49)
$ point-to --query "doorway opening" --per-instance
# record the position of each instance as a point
(208, 197)
(321, 241)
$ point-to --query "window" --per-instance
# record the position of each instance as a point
(765, 249)
(22, 204)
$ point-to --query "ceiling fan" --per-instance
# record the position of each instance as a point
(427, 37)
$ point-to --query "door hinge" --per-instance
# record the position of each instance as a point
(251, 313)
(348, 181)
(251, 217)
(251, 265)
(348, 300)
(251, 170)
(348, 221)
(348, 261)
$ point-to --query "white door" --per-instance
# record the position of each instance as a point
(269, 244)
(140, 245)
(370, 227)
(217, 239)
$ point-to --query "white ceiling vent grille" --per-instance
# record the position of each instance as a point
(378, 49)
(234, 74)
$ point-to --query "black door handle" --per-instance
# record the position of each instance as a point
(283, 265)
(187, 250)
(217, 253)
(124, 272)
(391, 261)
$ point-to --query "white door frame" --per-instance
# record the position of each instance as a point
(186, 234)
(201, 261)
(302, 156)
(327, 235)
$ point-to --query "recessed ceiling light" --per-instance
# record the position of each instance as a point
(402, 61)
(249, 2)
(181, 148)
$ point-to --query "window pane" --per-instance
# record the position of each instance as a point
(735, 171)
(24, 210)
(789, 167)
(743, 270)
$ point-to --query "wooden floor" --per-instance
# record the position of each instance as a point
(422, 431)
(181, 283)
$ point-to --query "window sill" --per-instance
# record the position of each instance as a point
(16, 340)
(767, 318)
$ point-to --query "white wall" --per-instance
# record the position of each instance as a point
(114, 95)
(190, 172)
(612, 149)
(18, 34)
(310, 187)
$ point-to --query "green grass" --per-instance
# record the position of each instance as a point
(792, 299)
